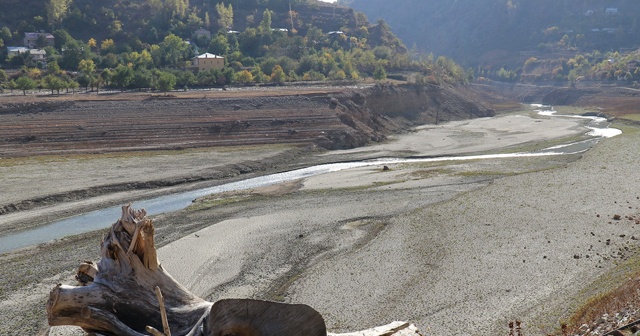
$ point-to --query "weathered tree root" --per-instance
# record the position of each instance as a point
(117, 295)
(128, 293)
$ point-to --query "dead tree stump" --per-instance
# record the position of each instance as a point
(128, 293)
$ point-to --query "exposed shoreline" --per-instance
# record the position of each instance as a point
(339, 226)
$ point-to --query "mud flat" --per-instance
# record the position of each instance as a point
(457, 248)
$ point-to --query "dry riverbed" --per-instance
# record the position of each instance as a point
(458, 248)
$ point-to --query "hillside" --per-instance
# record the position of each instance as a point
(150, 21)
(123, 44)
(502, 32)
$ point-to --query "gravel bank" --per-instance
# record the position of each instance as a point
(518, 249)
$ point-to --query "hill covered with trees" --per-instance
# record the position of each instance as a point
(466, 30)
(143, 44)
(490, 35)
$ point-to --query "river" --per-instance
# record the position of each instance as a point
(103, 218)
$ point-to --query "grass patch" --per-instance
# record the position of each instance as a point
(484, 173)
(428, 173)
(212, 202)
(632, 117)
(625, 128)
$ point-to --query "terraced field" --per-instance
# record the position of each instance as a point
(58, 127)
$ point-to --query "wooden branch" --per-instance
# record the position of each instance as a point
(163, 312)
(148, 249)
(134, 237)
(86, 272)
(154, 331)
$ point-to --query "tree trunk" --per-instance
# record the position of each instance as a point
(128, 293)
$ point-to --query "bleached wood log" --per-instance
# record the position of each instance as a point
(397, 328)
(128, 293)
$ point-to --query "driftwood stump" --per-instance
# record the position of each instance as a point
(129, 293)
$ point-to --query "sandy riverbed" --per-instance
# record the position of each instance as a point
(458, 248)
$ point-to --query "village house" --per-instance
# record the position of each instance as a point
(31, 39)
(37, 54)
(208, 61)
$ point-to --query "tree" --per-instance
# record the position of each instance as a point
(25, 83)
(105, 76)
(184, 79)
(338, 75)
(107, 46)
(229, 75)
(53, 67)
(5, 34)
(73, 52)
(22, 59)
(54, 83)
(379, 73)
(165, 82)
(71, 84)
(219, 45)
(244, 77)
(122, 76)
(3, 80)
(225, 15)
(142, 78)
(96, 82)
(87, 67)
(265, 24)
(278, 75)
(84, 81)
(56, 10)
(92, 43)
(177, 8)
(171, 52)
